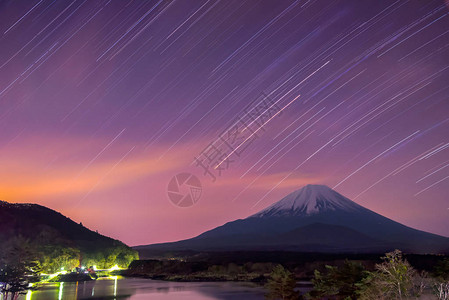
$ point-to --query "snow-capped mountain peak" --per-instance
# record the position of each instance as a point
(311, 199)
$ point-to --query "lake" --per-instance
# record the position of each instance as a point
(139, 289)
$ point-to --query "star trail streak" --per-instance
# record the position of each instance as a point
(102, 102)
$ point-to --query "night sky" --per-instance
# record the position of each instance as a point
(103, 102)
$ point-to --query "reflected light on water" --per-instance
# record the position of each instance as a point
(144, 289)
(61, 287)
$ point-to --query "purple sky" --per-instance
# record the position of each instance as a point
(103, 102)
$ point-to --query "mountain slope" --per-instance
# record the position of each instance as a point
(314, 213)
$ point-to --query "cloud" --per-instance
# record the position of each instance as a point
(65, 167)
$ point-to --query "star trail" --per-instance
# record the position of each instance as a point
(103, 102)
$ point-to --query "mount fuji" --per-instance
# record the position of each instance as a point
(311, 199)
(312, 219)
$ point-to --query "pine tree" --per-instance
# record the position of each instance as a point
(281, 285)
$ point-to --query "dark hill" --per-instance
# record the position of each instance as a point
(55, 237)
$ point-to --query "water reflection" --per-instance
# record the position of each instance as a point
(116, 287)
(61, 287)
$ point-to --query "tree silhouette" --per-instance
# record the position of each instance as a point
(19, 267)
